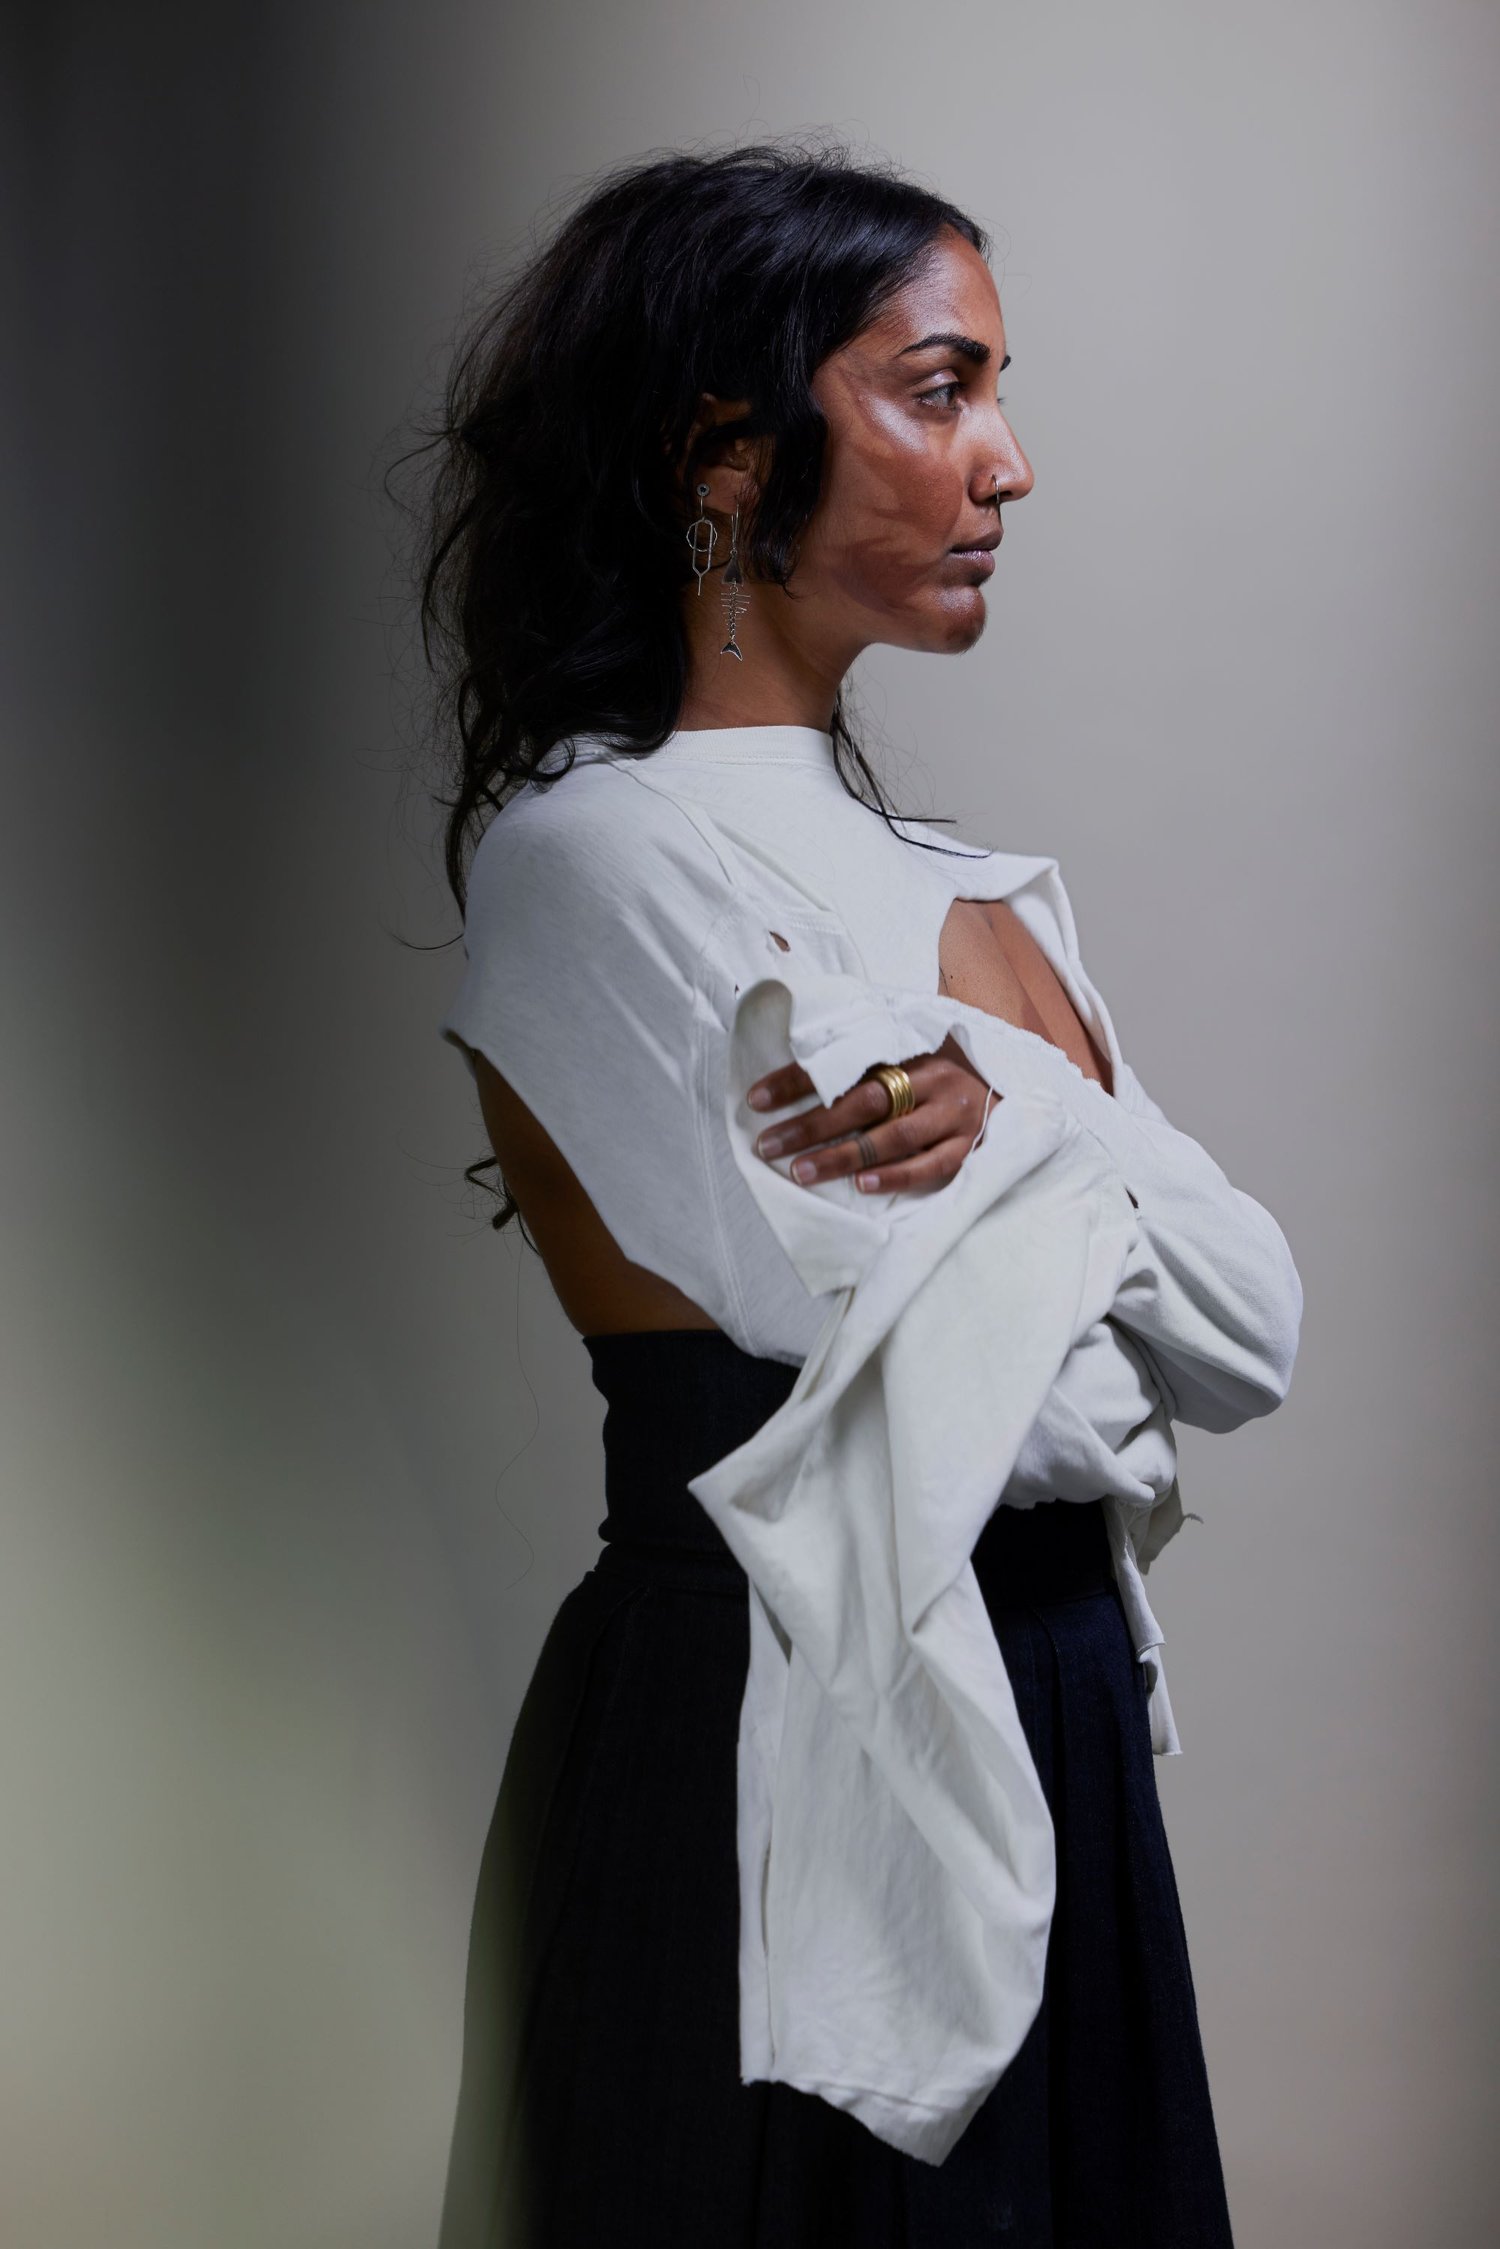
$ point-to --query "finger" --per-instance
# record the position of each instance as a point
(869, 1145)
(788, 1083)
(922, 1174)
(864, 1107)
(897, 1139)
(947, 1102)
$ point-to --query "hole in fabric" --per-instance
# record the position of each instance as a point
(781, 941)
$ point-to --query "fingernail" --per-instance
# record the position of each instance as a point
(769, 1144)
(867, 1179)
(804, 1168)
(759, 1097)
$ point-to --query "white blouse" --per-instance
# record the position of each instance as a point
(645, 938)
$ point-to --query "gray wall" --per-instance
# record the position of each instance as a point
(297, 1459)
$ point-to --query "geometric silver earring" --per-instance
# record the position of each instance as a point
(702, 538)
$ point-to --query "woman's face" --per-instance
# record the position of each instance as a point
(916, 443)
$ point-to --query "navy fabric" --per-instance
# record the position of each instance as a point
(600, 2099)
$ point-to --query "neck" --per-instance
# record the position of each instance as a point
(778, 683)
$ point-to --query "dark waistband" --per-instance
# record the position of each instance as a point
(678, 1399)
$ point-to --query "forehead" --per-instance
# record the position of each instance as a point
(953, 290)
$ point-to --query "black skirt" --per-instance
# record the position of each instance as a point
(601, 2102)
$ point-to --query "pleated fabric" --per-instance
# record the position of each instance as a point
(600, 2100)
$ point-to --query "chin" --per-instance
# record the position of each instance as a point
(958, 627)
(943, 627)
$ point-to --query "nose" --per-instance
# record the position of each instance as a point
(1003, 473)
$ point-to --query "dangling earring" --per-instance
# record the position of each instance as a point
(702, 548)
(732, 592)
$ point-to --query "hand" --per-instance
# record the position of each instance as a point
(917, 1153)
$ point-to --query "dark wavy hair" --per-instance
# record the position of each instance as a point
(553, 556)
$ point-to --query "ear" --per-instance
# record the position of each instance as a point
(734, 468)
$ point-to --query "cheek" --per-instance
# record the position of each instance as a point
(886, 519)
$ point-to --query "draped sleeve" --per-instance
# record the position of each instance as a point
(897, 1864)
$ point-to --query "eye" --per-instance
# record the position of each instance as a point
(946, 391)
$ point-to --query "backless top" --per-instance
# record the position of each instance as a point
(646, 936)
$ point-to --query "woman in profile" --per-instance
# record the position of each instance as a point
(736, 423)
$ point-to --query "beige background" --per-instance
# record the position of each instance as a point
(297, 1460)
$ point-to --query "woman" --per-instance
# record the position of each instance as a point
(737, 423)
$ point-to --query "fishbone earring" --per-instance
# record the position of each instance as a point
(732, 592)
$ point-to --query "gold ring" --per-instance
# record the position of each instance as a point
(897, 1084)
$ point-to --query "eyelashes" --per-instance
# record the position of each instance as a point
(950, 391)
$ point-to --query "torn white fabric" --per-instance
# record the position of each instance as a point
(645, 939)
(896, 1852)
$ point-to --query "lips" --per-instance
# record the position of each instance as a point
(980, 553)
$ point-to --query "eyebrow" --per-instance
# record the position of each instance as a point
(967, 345)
